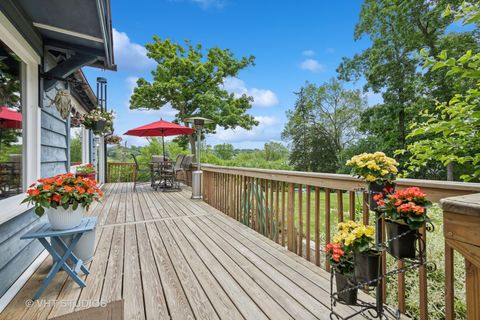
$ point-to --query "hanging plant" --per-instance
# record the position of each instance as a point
(76, 120)
(101, 122)
(113, 139)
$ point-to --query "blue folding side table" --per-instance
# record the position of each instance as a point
(61, 258)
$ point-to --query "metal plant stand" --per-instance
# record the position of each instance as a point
(378, 310)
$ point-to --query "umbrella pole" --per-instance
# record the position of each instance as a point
(163, 144)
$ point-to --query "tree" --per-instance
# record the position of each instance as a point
(398, 31)
(191, 81)
(223, 151)
(274, 151)
(322, 124)
(452, 133)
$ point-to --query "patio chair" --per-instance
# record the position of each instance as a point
(139, 170)
(156, 158)
(181, 172)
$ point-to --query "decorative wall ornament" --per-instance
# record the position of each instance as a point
(63, 102)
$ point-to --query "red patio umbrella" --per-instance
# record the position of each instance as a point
(160, 128)
(10, 119)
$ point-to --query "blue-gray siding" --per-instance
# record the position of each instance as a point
(15, 254)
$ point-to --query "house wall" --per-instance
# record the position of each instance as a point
(16, 255)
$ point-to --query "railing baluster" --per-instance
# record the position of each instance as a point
(327, 223)
(339, 205)
(352, 205)
(291, 218)
(317, 226)
(272, 231)
(283, 214)
(307, 223)
(277, 212)
(366, 209)
(300, 220)
(449, 283)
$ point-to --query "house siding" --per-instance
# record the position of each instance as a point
(16, 255)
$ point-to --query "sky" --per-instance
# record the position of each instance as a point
(292, 41)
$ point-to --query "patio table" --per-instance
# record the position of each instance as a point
(165, 172)
(64, 252)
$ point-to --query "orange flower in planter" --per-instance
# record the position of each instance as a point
(63, 190)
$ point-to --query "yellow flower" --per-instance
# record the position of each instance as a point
(369, 231)
(370, 178)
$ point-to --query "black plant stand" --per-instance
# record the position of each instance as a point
(378, 310)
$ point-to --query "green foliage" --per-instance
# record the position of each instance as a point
(398, 30)
(322, 123)
(223, 151)
(252, 158)
(451, 134)
(76, 149)
(191, 81)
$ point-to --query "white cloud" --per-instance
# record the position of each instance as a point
(311, 65)
(261, 97)
(130, 56)
(267, 129)
(308, 53)
(132, 83)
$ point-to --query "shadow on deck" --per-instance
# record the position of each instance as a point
(168, 256)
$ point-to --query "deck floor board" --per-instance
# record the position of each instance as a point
(169, 257)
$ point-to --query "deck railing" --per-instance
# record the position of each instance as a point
(120, 171)
(299, 210)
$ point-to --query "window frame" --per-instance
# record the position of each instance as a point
(31, 114)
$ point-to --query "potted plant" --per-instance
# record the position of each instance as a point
(341, 260)
(86, 171)
(65, 196)
(99, 121)
(113, 139)
(359, 239)
(378, 170)
(405, 212)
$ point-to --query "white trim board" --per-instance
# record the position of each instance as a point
(67, 32)
(18, 285)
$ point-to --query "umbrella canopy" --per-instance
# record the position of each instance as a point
(160, 128)
(10, 119)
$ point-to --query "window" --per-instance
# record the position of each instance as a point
(11, 123)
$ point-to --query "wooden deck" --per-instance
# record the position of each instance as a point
(169, 257)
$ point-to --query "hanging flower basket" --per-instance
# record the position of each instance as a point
(404, 240)
(101, 122)
(367, 267)
(113, 139)
(99, 126)
(346, 288)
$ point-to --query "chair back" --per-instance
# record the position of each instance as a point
(179, 161)
(158, 159)
(187, 162)
(135, 160)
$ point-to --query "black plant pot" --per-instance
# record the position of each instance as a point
(343, 283)
(374, 188)
(100, 126)
(367, 267)
(403, 247)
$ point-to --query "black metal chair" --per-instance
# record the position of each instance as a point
(139, 170)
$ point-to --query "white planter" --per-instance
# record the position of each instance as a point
(85, 247)
(62, 219)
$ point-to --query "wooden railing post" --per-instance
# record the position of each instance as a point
(461, 229)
